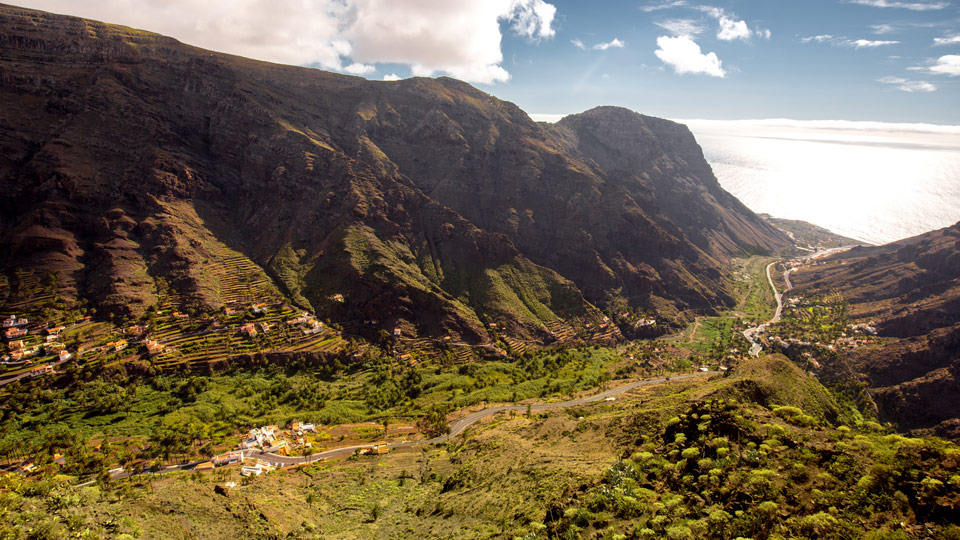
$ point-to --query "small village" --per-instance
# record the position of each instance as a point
(175, 334)
(36, 348)
(42, 334)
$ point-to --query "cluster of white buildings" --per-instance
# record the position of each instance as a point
(14, 322)
(867, 328)
(310, 325)
(20, 353)
(257, 469)
(266, 438)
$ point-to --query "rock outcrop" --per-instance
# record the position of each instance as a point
(126, 156)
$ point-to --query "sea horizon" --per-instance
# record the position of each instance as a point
(875, 182)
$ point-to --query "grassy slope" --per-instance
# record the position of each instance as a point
(559, 473)
(235, 401)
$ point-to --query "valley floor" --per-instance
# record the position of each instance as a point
(752, 448)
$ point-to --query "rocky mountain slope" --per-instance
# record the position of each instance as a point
(910, 290)
(910, 287)
(127, 156)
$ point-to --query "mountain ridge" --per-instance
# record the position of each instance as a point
(909, 290)
(426, 202)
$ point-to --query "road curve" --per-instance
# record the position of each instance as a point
(458, 426)
(751, 333)
(28, 374)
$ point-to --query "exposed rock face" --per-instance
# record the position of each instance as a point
(911, 290)
(910, 287)
(127, 156)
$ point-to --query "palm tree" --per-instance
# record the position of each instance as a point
(305, 452)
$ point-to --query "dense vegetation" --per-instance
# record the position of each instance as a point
(763, 453)
(141, 413)
(723, 470)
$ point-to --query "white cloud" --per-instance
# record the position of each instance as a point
(612, 44)
(908, 85)
(663, 5)
(685, 56)
(531, 18)
(681, 27)
(731, 29)
(866, 43)
(825, 125)
(392, 77)
(359, 69)
(842, 41)
(947, 65)
(883, 28)
(274, 32)
(914, 6)
(819, 39)
(459, 38)
(952, 40)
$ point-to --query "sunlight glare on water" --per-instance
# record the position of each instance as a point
(872, 182)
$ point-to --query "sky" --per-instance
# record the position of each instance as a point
(856, 60)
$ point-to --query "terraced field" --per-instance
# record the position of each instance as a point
(515, 345)
(254, 318)
(4, 289)
(609, 334)
(463, 354)
(241, 281)
(25, 293)
(561, 330)
(217, 340)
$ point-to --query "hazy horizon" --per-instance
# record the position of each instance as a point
(827, 172)
(874, 182)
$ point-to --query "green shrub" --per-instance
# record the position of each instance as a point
(679, 532)
(817, 525)
(767, 507)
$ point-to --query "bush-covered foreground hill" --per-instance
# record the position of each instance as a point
(764, 452)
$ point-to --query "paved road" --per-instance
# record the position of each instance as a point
(456, 428)
(752, 333)
(28, 374)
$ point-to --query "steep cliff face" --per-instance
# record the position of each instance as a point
(653, 155)
(126, 156)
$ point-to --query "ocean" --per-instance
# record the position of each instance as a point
(874, 182)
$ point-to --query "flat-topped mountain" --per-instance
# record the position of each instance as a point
(127, 156)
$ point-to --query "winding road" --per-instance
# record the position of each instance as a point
(752, 333)
(456, 428)
(30, 374)
(459, 426)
